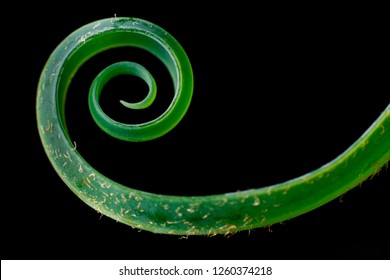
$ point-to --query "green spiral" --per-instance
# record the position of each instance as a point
(181, 215)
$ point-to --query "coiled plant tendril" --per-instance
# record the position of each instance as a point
(168, 214)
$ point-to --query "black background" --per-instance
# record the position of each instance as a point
(279, 91)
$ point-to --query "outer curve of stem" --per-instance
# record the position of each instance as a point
(182, 215)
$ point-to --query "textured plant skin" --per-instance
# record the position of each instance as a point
(180, 215)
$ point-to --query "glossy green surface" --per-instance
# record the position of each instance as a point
(182, 215)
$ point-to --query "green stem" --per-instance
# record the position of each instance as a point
(182, 215)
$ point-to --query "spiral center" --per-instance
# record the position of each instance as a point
(124, 68)
(110, 72)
